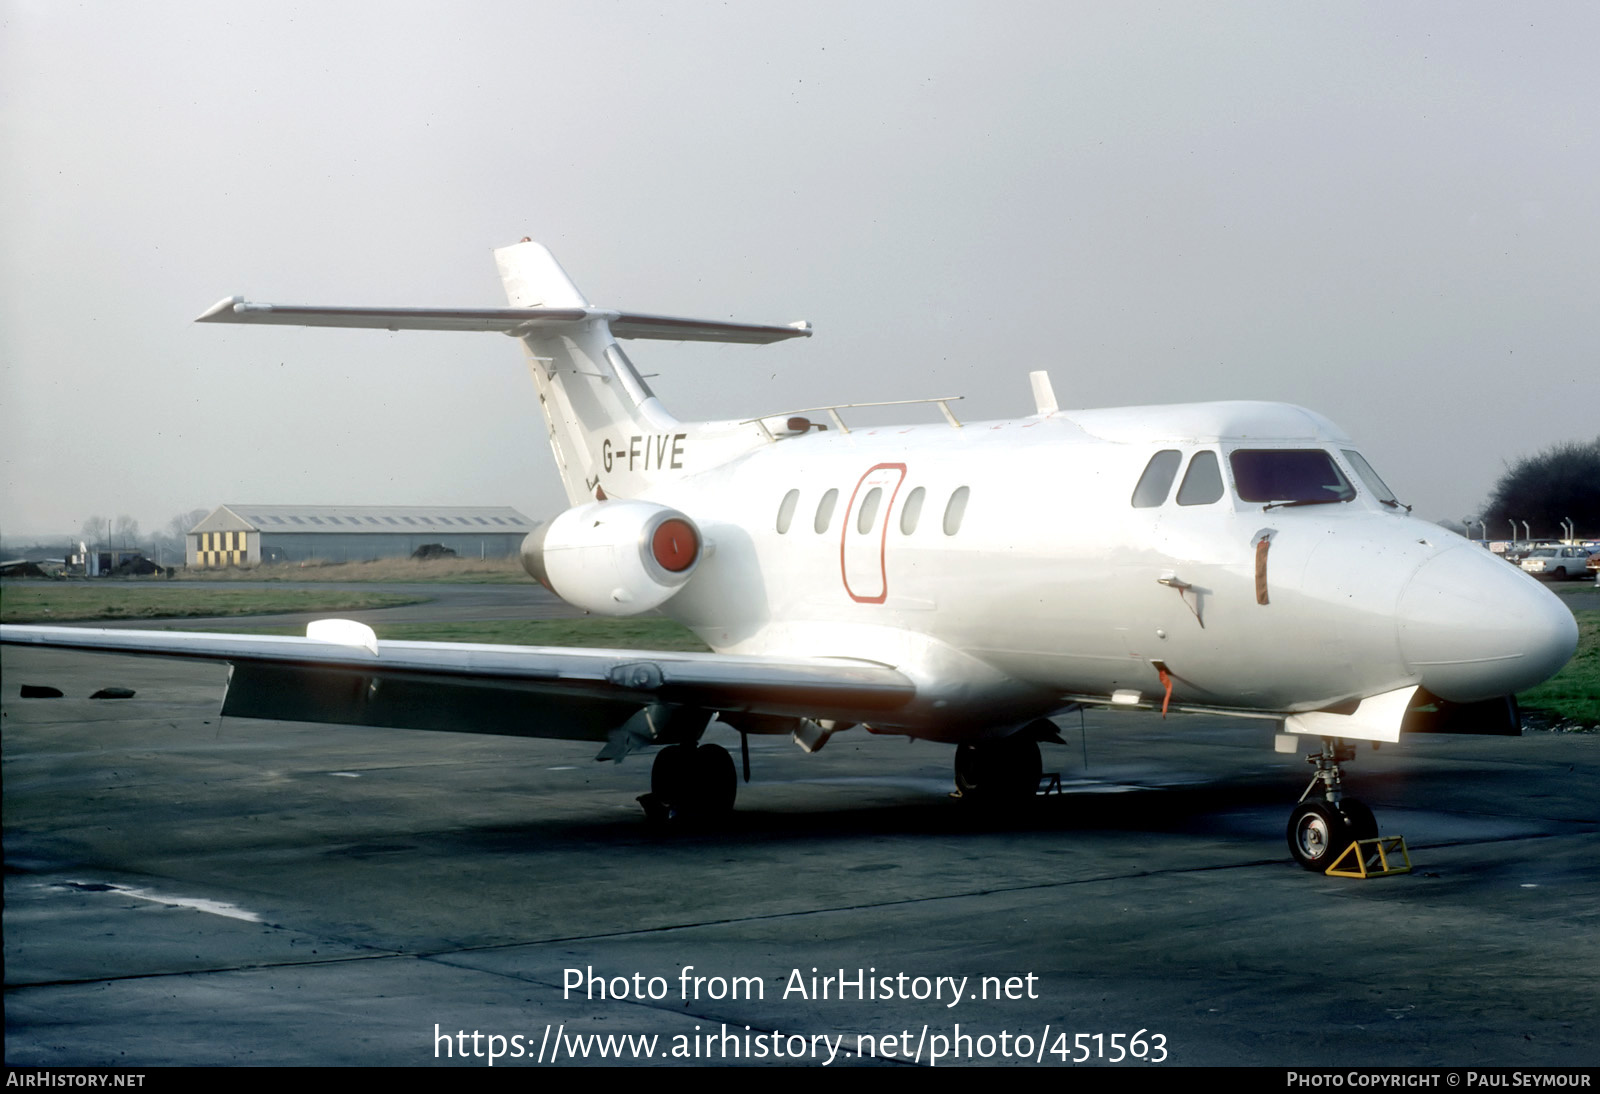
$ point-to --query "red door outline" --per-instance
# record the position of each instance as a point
(895, 473)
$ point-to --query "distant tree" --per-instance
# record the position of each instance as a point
(172, 543)
(1562, 482)
(125, 531)
(179, 526)
(96, 531)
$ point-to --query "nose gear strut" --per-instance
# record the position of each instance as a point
(1322, 827)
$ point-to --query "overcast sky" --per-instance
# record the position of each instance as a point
(1387, 213)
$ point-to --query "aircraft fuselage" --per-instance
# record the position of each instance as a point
(1004, 566)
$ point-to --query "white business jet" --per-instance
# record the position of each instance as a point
(958, 582)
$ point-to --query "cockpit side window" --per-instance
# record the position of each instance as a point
(1202, 483)
(1364, 471)
(1156, 482)
(1303, 476)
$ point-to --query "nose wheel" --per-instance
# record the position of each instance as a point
(1321, 827)
(1319, 831)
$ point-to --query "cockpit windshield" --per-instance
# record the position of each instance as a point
(1379, 488)
(1289, 476)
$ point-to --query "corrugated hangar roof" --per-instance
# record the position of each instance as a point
(459, 519)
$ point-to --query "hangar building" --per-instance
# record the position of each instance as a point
(248, 535)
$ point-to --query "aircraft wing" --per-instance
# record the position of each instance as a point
(345, 676)
(513, 321)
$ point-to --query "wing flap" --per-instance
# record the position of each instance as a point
(340, 696)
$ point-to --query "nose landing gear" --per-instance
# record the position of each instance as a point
(1320, 828)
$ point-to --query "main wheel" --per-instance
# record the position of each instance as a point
(694, 782)
(714, 783)
(970, 767)
(1318, 834)
(1003, 772)
(669, 773)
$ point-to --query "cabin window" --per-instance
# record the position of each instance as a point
(869, 510)
(911, 511)
(1290, 476)
(955, 510)
(1364, 471)
(1202, 483)
(825, 511)
(786, 511)
(1156, 482)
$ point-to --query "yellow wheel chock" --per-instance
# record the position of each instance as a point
(1371, 858)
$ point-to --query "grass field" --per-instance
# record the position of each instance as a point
(647, 633)
(1573, 694)
(499, 571)
(66, 602)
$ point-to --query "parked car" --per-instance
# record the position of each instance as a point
(1556, 563)
(1515, 552)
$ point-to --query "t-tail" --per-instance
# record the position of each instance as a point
(610, 435)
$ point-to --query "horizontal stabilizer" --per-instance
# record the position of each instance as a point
(512, 321)
(672, 329)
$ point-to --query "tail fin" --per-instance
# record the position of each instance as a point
(534, 279)
(599, 410)
(609, 433)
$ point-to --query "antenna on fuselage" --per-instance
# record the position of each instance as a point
(1044, 396)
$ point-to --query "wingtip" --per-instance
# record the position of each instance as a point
(216, 312)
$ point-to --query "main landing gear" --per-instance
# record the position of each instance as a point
(1320, 828)
(691, 781)
(999, 773)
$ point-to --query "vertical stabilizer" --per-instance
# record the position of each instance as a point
(534, 279)
(606, 426)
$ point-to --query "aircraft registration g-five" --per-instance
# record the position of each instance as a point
(953, 582)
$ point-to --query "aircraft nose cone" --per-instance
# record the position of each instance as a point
(1475, 627)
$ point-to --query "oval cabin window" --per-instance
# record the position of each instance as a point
(825, 511)
(955, 510)
(911, 511)
(786, 511)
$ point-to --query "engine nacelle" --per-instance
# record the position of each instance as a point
(614, 557)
